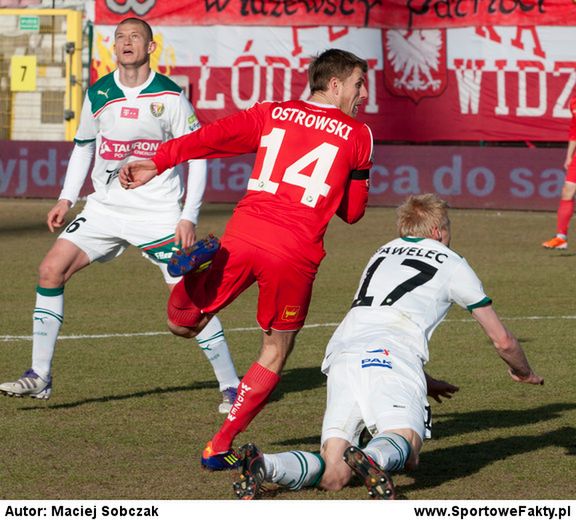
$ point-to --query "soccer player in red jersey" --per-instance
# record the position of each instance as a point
(312, 161)
(566, 205)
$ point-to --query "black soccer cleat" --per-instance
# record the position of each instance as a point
(377, 480)
(252, 473)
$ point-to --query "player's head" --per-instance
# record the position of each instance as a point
(341, 76)
(133, 42)
(424, 216)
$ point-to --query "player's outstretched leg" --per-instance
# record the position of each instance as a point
(252, 473)
(213, 343)
(195, 258)
(377, 480)
(30, 384)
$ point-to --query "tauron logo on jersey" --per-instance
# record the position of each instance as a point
(157, 109)
(129, 113)
(118, 150)
(291, 313)
(415, 63)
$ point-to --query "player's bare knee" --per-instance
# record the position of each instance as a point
(49, 275)
(178, 330)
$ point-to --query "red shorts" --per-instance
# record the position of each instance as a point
(284, 292)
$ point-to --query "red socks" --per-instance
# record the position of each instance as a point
(253, 392)
(565, 212)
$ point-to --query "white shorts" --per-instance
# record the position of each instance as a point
(376, 388)
(103, 237)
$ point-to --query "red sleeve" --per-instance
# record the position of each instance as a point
(355, 199)
(572, 131)
(233, 135)
(353, 204)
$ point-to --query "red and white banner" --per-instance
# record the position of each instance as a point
(491, 84)
(402, 14)
(467, 177)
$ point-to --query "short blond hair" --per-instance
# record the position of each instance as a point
(418, 215)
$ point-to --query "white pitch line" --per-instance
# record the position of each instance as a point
(251, 329)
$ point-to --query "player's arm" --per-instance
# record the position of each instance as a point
(355, 199)
(571, 135)
(76, 173)
(507, 346)
(353, 203)
(436, 388)
(195, 187)
(233, 135)
(184, 121)
(78, 167)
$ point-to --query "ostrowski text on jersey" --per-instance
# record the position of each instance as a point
(297, 184)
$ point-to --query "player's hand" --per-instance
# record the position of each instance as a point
(55, 217)
(185, 234)
(531, 378)
(567, 162)
(137, 173)
(436, 389)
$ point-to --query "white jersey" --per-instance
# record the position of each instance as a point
(405, 292)
(129, 124)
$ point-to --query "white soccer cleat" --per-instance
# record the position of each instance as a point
(228, 398)
(30, 384)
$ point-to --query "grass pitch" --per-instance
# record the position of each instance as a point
(131, 412)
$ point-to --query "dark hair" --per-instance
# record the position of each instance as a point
(145, 25)
(333, 63)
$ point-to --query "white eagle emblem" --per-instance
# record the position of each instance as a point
(415, 62)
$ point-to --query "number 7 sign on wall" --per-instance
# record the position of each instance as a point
(23, 73)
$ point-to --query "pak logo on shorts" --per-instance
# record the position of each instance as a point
(157, 109)
(291, 313)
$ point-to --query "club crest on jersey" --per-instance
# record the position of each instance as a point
(291, 313)
(157, 109)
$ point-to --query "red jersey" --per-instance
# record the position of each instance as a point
(312, 161)
(572, 131)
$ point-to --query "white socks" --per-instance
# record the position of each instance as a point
(294, 469)
(213, 343)
(47, 319)
(389, 450)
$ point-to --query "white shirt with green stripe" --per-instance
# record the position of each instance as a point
(405, 292)
(120, 124)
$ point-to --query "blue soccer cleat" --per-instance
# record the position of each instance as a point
(194, 258)
(219, 461)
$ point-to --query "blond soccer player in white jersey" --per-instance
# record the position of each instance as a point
(375, 361)
(126, 115)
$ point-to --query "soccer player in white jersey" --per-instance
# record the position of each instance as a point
(375, 359)
(126, 115)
